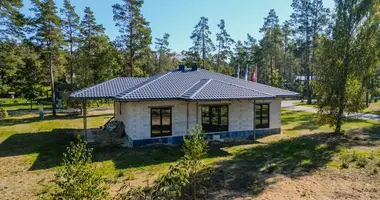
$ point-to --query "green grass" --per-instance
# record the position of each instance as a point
(303, 147)
(374, 108)
(305, 104)
(20, 104)
(23, 104)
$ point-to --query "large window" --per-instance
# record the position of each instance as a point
(262, 116)
(215, 118)
(161, 122)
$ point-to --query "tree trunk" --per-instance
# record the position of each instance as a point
(131, 50)
(271, 70)
(217, 58)
(52, 85)
(343, 93)
(203, 48)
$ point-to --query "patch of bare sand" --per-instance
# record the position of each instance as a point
(324, 184)
(18, 182)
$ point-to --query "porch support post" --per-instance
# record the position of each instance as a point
(254, 119)
(114, 109)
(197, 106)
(187, 116)
(85, 119)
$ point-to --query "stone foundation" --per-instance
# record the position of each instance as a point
(177, 140)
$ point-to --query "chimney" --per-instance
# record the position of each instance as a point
(181, 67)
(194, 67)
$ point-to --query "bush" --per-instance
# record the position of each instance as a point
(185, 180)
(3, 113)
(76, 179)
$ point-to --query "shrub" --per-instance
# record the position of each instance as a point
(3, 113)
(345, 160)
(361, 161)
(76, 179)
(185, 180)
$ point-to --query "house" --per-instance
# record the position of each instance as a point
(162, 108)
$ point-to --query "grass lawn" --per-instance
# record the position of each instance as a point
(20, 104)
(374, 108)
(312, 105)
(275, 167)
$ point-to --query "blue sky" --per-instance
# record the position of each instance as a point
(178, 17)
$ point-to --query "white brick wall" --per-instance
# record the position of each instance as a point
(136, 115)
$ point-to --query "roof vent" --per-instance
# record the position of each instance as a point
(181, 67)
(194, 67)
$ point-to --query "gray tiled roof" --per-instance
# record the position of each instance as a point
(185, 85)
(107, 89)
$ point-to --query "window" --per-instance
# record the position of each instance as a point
(262, 116)
(161, 122)
(215, 118)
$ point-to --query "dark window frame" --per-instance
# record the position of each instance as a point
(219, 127)
(161, 129)
(261, 117)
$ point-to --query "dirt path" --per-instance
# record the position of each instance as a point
(291, 106)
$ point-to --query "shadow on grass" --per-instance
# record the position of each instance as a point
(146, 156)
(13, 121)
(251, 170)
(48, 145)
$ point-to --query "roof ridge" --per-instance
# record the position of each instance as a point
(190, 88)
(95, 86)
(267, 86)
(244, 87)
(204, 85)
(144, 84)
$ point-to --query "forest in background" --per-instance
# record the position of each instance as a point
(55, 47)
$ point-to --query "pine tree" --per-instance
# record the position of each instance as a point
(345, 59)
(135, 32)
(11, 20)
(29, 77)
(201, 39)
(48, 34)
(163, 51)
(308, 18)
(224, 42)
(70, 25)
(271, 42)
(89, 34)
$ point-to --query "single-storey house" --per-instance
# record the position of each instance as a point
(162, 108)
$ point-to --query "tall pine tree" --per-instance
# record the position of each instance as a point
(135, 33)
(48, 34)
(308, 19)
(163, 52)
(11, 20)
(70, 25)
(271, 44)
(90, 32)
(224, 44)
(201, 40)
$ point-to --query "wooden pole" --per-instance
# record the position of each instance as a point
(85, 119)
(254, 120)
